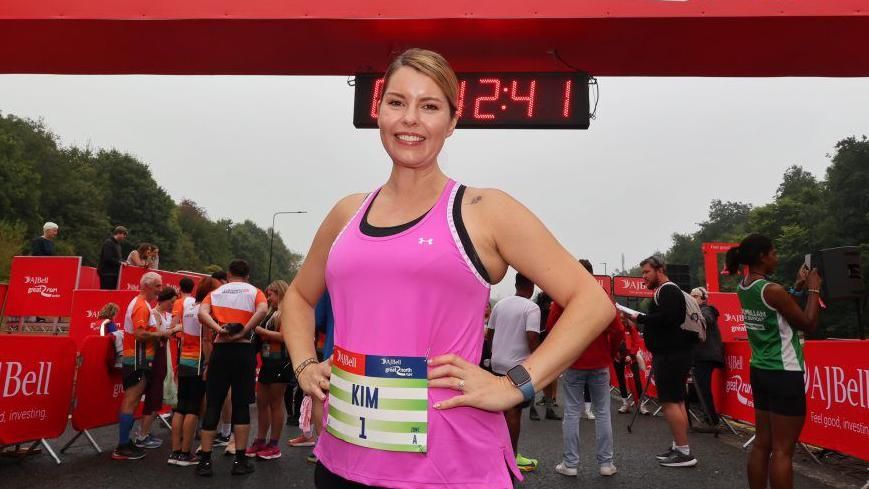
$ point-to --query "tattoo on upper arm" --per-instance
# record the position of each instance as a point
(476, 200)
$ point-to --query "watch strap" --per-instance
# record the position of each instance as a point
(527, 390)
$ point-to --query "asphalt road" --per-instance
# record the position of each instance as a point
(721, 463)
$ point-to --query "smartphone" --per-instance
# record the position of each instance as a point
(808, 262)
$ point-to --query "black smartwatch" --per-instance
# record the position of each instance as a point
(521, 379)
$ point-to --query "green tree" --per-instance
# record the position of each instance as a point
(134, 199)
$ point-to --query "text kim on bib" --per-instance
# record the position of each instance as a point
(379, 402)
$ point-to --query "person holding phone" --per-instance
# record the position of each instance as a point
(777, 364)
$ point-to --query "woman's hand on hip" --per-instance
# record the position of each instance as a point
(314, 379)
(476, 387)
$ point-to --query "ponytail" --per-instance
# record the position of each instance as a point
(749, 252)
(732, 260)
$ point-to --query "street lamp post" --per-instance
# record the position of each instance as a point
(272, 240)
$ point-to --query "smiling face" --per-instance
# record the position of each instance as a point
(414, 119)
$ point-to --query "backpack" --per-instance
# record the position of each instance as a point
(694, 322)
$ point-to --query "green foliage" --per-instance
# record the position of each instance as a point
(88, 193)
(806, 215)
(11, 237)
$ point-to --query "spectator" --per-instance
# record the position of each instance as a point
(108, 327)
(514, 329)
(220, 276)
(111, 258)
(273, 378)
(590, 370)
(671, 356)
(44, 245)
(629, 356)
(141, 256)
(708, 356)
(154, 260)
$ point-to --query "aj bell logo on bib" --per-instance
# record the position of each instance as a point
(379, 402)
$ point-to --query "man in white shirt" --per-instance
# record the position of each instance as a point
(514, 330)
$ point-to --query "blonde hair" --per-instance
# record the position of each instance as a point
(432, 65)
(279, 287)
(109, 311)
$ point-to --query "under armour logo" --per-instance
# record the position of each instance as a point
(429, 241)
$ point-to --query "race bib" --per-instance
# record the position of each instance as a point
(379, 402)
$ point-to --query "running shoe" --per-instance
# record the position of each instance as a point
(128, 451)
(220, 440)
(667, 454)
(565, 470)
(150, 442)
(242, 467)
(301, 441)
(679, 459)
(551, 414)
(204, 468)
(311, 459)
(589, 414)
(533, 414)
(186, 459)
(269, 452)
(526, 464)
(626, 406)
(607, 470)
(643, 409)
(173, 458)
(255, 448)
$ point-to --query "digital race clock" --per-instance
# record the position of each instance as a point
(498, 100)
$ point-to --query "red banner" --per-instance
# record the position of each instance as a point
(731, 322)
(86, 305)
(42, 285)
(631, 287)
(100, 388)
(606, 282)
(837, 396)
(36, 375)
(130, 277)
(3, 289)
(88, 278)
(737, 401)
(837, 393)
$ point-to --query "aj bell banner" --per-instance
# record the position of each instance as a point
(86, 304)
(42, 285)
(837, 393)
(35, 387)
(731, 322)
(631, 287)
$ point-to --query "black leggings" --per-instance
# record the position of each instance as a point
(231, 365)
(620, 375)
(703, 379)
(323, 479)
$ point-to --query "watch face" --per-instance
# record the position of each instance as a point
(518, 375)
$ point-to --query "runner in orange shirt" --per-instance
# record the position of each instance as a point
(231, 311)
(140, 334)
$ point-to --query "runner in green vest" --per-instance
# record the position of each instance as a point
(771, 318)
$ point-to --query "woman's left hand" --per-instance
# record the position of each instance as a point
(477, 388)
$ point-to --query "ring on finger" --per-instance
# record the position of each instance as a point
(461, 385)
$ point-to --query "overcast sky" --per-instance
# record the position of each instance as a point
(659, 151)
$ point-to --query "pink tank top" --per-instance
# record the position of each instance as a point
(416, 294)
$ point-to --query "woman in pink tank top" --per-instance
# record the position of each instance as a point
(408, 268)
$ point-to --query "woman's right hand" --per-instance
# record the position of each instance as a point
(813, 280)
(314, 379)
